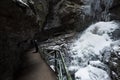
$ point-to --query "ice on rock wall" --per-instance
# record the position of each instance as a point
(98, 9)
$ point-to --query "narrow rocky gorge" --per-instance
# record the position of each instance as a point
(63, 25)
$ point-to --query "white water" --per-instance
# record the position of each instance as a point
(86, 52)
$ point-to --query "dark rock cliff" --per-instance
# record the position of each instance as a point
(20, 24)
(15, 28)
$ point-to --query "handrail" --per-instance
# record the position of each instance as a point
(60, 65)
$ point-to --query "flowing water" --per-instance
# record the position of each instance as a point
(88, 57)
(87, 52)
(90, 53)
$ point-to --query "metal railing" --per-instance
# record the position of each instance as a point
(58, 61)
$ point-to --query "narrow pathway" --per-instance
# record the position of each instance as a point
(38, 69)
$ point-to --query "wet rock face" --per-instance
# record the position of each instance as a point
(115, 10)
(68, 13)
(65, 15)
(78, 14)
(41, 8)
(15, 27)
(77, 1)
